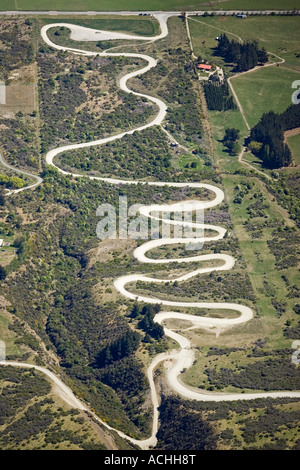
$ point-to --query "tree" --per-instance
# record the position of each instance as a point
(135, 310)
(217, 95)
(147, 323)
(267, 137)
(182, 428)
(245, 56)
(236, 148)
(2, 273)
(16, 182)
(262, 56)
(254, 147)
(122, 347)
(2, 196)
(231, 134)
(223, 44)
(157, 331)
(229, 145)
(230, 140)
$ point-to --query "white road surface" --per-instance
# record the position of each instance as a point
(38, 179)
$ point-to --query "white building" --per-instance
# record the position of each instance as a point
(1, 241)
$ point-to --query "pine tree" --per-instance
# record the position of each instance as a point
(157, 331)
(2, 273)
(107, 357)
(2, 196)
(262, 56)
(245, 56)
(243, 63)
(223, 45)
(233, 52)
(269, 132)
(135, 310)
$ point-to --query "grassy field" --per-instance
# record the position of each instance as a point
(264, 90)
(9, 337)
(141, 26)
(7, 254)
(294, 144)
(220, 121)
(7, 5)
(258, 4)
(259, 91)
(147, 5)
(278, 34)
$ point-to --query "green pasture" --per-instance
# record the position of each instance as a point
(7, 5)
(128, 24)
(147, 5)
(259, 91)
(220, 120)
(265, 90)
(12, 348)
(294, 144)
(257, 5)
(278, 34)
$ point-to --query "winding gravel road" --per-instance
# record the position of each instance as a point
(179, 359)
(38, 179)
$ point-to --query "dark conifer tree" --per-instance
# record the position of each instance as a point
(2, 273)
(269, 131)
(245, 56)
(2, 196)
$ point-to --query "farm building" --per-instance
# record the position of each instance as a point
(218, 76)
(204, 67)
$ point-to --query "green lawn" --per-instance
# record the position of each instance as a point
(278, 34)
(102, 5)
(258, 4)
(7, 5)
(203, 29)
(259, 91)
(265, 90)
(294, 144)
(9, 337)
(220, 120)
(136, 25)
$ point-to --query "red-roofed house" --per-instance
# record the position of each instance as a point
(204, 67)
